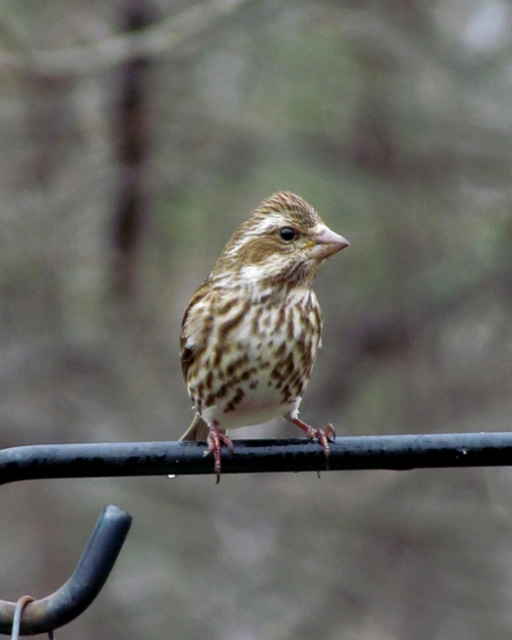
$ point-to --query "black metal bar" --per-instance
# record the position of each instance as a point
(92, 570)
(253, 456)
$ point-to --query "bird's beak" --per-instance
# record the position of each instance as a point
(326, 243)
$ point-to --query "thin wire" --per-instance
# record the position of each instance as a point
(20, 605)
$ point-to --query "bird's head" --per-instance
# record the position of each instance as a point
(283, 243)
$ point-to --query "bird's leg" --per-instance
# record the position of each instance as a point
(215, 437)
(321, 435)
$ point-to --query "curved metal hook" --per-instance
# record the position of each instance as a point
(89, 576)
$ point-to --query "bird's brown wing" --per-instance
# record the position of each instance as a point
(192, 327)
(196, 328)
(186, 353)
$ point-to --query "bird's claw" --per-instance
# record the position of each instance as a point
(215, 439)
(323, 436)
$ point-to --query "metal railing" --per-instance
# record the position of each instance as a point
(181, 458)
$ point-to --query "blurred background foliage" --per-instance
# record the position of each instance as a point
(135, 136)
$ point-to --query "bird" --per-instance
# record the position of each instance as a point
(250, 333)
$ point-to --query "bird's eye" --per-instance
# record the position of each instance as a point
(287, 234)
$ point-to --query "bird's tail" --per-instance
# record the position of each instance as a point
(198, 430)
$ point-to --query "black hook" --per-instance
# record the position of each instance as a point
(91, 573)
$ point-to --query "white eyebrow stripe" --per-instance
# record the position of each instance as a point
(260, 226)
(270, 221)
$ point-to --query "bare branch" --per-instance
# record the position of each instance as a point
(163, 39)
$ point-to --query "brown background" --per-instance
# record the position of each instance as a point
(133, 140)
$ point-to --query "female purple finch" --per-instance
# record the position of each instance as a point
(251, 331)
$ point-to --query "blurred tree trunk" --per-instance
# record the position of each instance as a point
(132, 141)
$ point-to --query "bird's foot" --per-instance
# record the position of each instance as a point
(323, 436)
(215, 439)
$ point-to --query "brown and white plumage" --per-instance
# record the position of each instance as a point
(251, 331)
